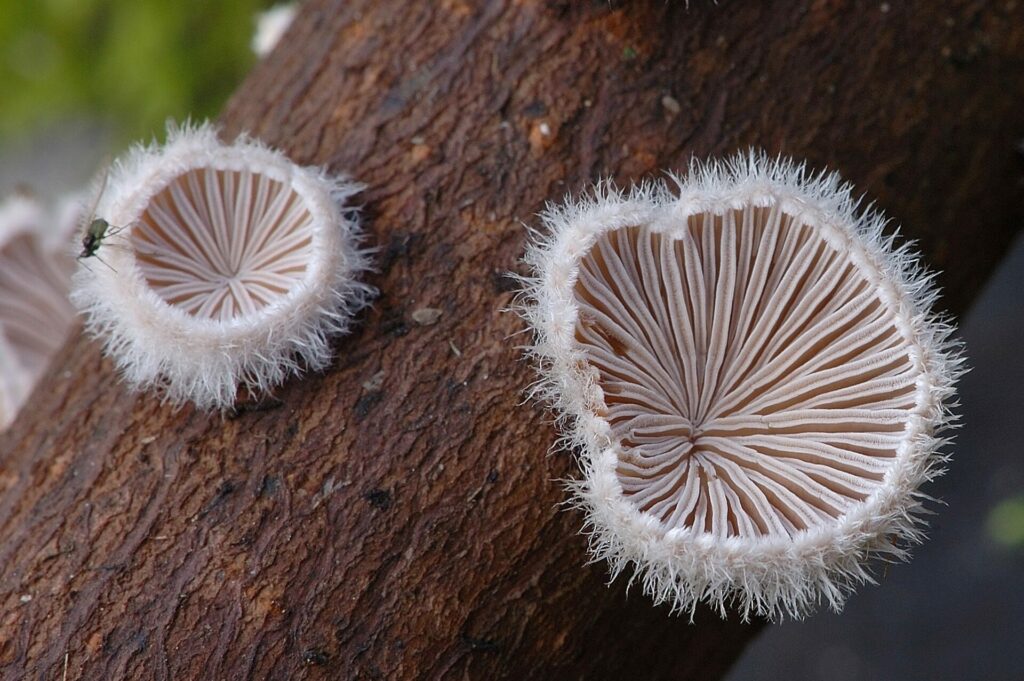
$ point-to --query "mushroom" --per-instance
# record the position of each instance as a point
(223, 267)
(35, 274)
(753, 377)
(271, 25)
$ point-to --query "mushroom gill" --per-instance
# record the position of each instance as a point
(222, 244)
(755, 382)
(35, 314)
(34, 309)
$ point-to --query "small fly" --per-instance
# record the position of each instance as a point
(98, 229)
(95, 233)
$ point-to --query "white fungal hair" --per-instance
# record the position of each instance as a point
(753, 377)
(227, 266)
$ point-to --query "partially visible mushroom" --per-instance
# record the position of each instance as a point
(271, 25)
(35, 314)
(228, 266)
(754, 379)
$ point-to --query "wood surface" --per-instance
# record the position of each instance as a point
(398, 517)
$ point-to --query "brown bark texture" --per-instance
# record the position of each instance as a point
(398, 517)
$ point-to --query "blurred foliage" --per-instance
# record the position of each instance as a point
(1006, 522)
(128, 63)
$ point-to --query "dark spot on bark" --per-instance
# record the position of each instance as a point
(492, 477)
(192, 445)
(291, 431)
(535, 109)
(365, 403)
(559, 8)
(503, 281)
(315, 657)
(140, 641)
(268, 485)
(225, 488)
(399, 246)
(452, 387)
(968, 55)
(483, 645)
(380, 499)
(246, 539)
(254, 407)
(392, 321)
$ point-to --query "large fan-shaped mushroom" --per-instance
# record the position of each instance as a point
(754, 378)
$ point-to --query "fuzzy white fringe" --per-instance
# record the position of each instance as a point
(158, 346)
(770, 577)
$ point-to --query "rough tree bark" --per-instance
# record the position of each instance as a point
(398, 516)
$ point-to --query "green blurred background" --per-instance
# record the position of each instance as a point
(125, 64)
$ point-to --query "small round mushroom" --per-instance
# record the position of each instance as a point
(753, 377)
(271, 24)
(222, 267)
(35, 314)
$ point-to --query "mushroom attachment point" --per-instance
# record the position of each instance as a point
(753, 378)
(226, 267)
